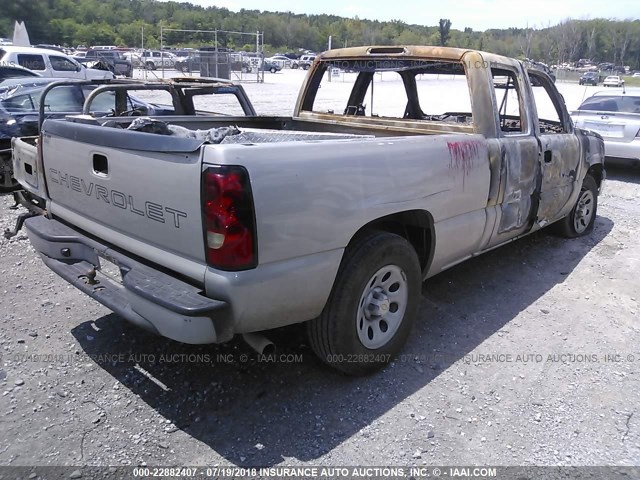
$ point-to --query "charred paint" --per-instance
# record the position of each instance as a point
(462, 156)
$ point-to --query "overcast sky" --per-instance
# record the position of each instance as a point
(477, 14)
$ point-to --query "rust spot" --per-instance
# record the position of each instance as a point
(462, 155)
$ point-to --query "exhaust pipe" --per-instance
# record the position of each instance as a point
(259, 343)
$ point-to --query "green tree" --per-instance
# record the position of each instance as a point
(444, 29)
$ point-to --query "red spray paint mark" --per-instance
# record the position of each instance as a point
(462, 156)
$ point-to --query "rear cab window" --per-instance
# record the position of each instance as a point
(435, 92)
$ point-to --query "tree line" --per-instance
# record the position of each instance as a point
(121, 22)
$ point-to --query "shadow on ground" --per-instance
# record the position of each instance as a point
(623, 172)
(301, 409)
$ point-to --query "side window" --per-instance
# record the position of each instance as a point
(19, 103)
(220, 104)
(103, 103)
(64, 99)
(509, 101)
(549, 112)
(631, 104)
(62, 64)
(32, 62)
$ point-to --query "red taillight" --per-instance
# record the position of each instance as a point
(228, 220)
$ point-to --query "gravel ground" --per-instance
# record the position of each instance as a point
(527, 355)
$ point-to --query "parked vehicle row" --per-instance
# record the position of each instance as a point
(194, 63)
(116, 62)
(152, 59)
(50, 63)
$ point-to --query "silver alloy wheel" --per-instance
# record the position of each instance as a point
(584, 211)
(382, 306)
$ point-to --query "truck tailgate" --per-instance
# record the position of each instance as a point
(26, 165)
(129, 189)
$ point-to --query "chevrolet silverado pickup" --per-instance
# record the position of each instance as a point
(397, 163)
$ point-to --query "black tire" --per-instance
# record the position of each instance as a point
(150, 66)
(294, 66)
(273, 69)
(335, 336)
(306, 67)
(582, 217)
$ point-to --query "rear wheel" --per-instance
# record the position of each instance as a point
(273, 70)
(150, 66)
(371, 309)
(582, 217)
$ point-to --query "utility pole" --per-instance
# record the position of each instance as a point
(330, 67)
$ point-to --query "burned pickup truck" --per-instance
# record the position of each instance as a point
(417, 159)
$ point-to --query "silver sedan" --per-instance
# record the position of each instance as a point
(616, 117)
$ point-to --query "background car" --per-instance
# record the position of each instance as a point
(272, 67)
(589, 78)
(152, 59)
(117, 63)
(613, 81)
(616, 117)
(284, 62)
(304, 62)
(192, 64)
(636, 75)
(50, 63)
(15, 71)
(20, 104)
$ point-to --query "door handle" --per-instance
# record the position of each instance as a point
(548, 156)
(100, 164)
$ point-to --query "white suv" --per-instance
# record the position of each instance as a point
(49, 63)
(304, 62)
(152, 59)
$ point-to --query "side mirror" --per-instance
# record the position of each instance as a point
(79, 68)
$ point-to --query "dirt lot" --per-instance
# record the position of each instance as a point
(528, 355)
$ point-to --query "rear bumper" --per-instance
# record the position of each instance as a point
(146, 297)
(623, 150)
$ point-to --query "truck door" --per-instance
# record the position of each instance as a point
(517, 148)
(559, 151)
